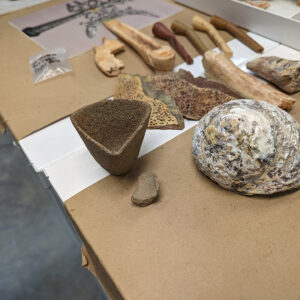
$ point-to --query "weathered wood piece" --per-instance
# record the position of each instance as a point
(282, 72)
(180, 28)
(221, 69)
(202, 25)
(194, 96)
(249, 147)
(237, 32)
(105, 59)
(165, 113)
(163, 32)
(147, 189)
(157, 56)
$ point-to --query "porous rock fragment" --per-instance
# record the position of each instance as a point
(147, 189)
(194, 96)
(249, 147)
(165, 113)
(282, 72)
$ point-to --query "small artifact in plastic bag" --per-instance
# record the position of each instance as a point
(49, 64)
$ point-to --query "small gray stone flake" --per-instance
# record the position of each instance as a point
(147, 189)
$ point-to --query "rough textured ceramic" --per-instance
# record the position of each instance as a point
(113, 132)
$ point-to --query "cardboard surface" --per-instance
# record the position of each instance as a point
(27, 107)
(198, 241)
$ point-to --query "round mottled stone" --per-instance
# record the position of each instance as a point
(249, 147)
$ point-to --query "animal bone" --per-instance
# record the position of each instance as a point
(202, 25)
(179, 28)
(282, 72)
(159, 57)
(260, 4)
(221, 23)
(221, 69)
(105, 59)
(161, 31)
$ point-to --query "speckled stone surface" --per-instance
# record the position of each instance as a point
(250, 147)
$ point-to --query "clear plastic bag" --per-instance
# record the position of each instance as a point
(49, 64)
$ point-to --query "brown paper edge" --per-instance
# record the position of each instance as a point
(90, 261)
(2, 125)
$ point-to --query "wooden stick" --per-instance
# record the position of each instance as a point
(221, 69)
(202, 25)
(221, 23)
(157, 56)
(179, 28)
(105, 59)
(162, 31)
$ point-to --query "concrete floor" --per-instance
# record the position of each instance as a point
(40, 253)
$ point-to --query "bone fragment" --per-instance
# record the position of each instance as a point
(163, 32)
(157, 56)
(260, 4)
(202, 25)
(105, 59)
(282, 72)
(237, 32)
(180, 28)
(221, 69)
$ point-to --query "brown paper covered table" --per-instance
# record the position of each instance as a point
(198, 241)
(28, 107)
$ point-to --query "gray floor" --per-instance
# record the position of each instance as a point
(40, 254)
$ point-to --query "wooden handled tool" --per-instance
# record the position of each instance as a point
(159, 57)
(221, 23)
(179, 28)
(221, 69)
(162, 31)
(202, 25)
